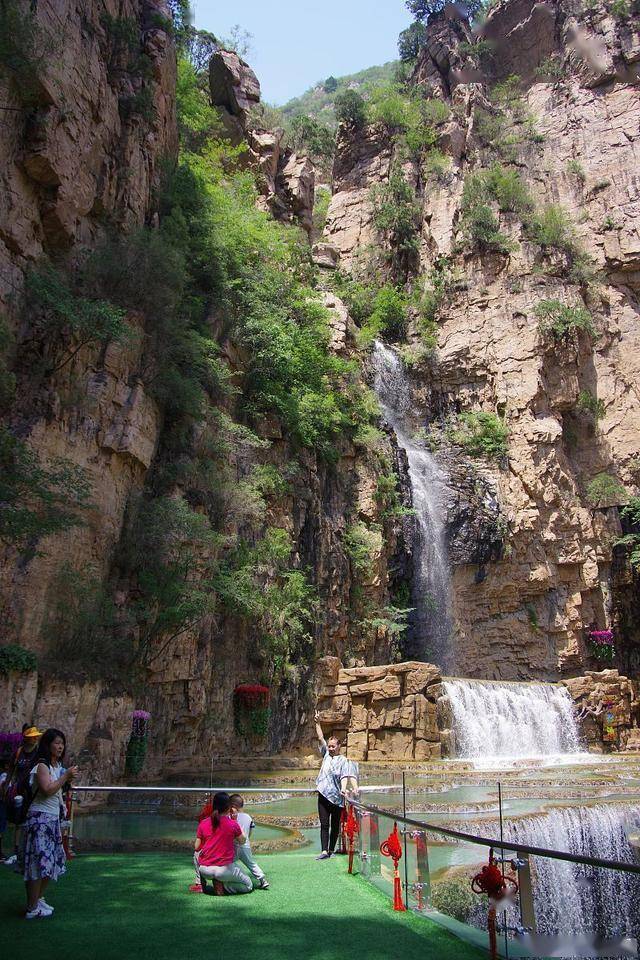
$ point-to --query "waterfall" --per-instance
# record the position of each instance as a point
(511, 720)
(573, 899)
(431, 581)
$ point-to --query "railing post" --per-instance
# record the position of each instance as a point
(374, 850)
(422, 885)
(365, 844)
(527, 909)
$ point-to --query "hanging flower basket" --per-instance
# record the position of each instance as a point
(251, 710)
(137, 746)
(601, 645)
(9, 743)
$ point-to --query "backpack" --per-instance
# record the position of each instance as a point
(19, 792)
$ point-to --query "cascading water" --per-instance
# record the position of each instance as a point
(431, 596)
(573, 899)
(493, 720)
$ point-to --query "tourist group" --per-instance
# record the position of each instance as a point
(35, 786)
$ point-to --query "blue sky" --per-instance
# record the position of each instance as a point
(297, 43)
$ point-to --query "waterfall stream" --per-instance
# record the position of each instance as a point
(431, 597)
(573, 899)
(511, 720)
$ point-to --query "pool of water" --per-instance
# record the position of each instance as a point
(148, 826)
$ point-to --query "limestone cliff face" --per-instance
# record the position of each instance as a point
(78, 160)
(525, 615)
(72, 164)
(81, 162)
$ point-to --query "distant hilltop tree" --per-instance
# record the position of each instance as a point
(411, 41)
(423, 9)
(330, 85)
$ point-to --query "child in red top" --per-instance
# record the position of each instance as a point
(215, 844)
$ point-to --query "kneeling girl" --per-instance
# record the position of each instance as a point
(215, 843)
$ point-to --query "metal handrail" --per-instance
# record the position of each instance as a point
(501, 844)
(101, 788)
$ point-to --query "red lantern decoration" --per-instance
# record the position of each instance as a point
(351, 829)
(492, 881)
(392, 847)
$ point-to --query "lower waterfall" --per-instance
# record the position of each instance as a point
(573, 899)
(511, 720)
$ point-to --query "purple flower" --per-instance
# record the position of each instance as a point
(140, 715)
(601, 636)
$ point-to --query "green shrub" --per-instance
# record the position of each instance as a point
(7, 379)
(82, 629)
(562, 322)
(363, 544)
(330, 85)
(436, 166)
(588, 403)
(121, 30)
(631, 513)
(575, 169)
(64, 320)
(23, 49)
(550, 68)
(308, 135)
(603, 490)
(479, 51)
(16, 659)
(454, 898)
(552, 228)
(320, 210)
(424, 9)
(396, 215)
(481, 228)
(350, 109)
(36, 499)
(498, 183)
(481, 434)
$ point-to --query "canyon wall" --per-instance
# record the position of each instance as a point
(524, 611)
(83, 159)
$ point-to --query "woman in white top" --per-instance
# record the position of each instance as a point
(44, 857)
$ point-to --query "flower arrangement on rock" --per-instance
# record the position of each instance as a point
(9, 743)
(601, 644)
(137, 746)
(251, 710)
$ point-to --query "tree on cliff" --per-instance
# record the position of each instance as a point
(411, 41)
(423, 9)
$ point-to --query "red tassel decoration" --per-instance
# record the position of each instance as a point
(351, 829)
(393, 848)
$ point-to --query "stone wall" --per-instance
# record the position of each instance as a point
(382, 713)
(608, 706)
(398, 712)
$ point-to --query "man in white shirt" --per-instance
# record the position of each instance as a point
(333, 783)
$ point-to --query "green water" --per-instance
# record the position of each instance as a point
(147, 826)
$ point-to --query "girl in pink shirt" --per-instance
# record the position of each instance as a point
(215, 844)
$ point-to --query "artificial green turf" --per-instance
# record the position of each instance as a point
(116, 907)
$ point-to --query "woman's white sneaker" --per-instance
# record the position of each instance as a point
(37, 912)
(45, 906)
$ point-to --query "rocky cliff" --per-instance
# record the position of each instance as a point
(545, 93)
(87, 152)
(89, 147)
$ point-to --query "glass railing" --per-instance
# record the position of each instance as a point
(554, 903)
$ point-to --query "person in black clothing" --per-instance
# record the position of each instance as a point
(17, 788)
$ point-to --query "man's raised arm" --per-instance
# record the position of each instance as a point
(319, 733)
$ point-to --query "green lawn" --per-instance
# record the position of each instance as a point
(117, 907)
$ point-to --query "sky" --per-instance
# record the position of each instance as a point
(297, 43)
